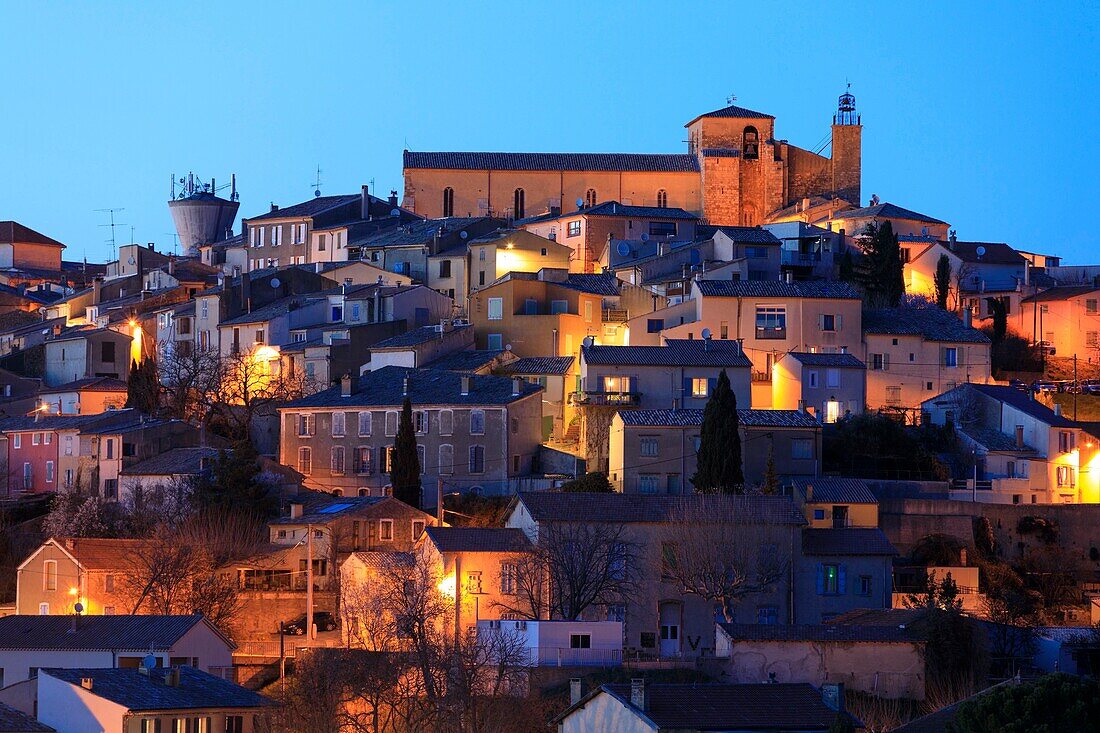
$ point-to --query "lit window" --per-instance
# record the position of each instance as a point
(573, 229)
(832, 411)
(699, 387)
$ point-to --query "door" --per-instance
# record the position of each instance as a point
(670, 629)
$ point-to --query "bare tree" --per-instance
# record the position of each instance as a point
(529, 579)
(723, 549)
(585, 564)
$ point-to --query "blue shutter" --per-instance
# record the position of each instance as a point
(712, 384)
(820, 579)
(687, 388)
(840, 583)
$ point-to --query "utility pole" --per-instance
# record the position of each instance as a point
(309, 582)
(438, 502)
(458, 599)
(1075, 387)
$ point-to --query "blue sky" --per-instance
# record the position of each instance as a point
(985, 116)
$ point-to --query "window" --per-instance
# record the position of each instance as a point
(828, 322)
(750, 144)
(49, 472)
(477, 422)
(893, 395)
(1067, 476)
(508, 578)
(391, 423)
(559, 306)
(446, 459)
(305, 425)
(864, 585)
(832, 411)
(28, 476)
(771, 322)
(234, 724)
(36, 438)
(819, 514)
(1067, 441)
(1091, 339)
(812, 379)
(417, 528)
(444, 268)
(43, 610)
(573, 229)
(152, 725)
(337, 460)
(588, 311)
(518, 203)
(580, 641)
(767, 615)
(832, 377)
(699, 387)
(650, 446)
(662, 229)
(49, 575)
(590, 198)
(110, 448)
(950, 356)
(420, 422)
(830, 580)
(320, 242)
(448, 201)
(496, 309)
(648, 483)
(338, 420)
(363, 460)
(1090, 306)
(385, 530)
(17, 441)
(802, 448)
(880, 362)
(305, 461)
(108, 351)
(364, 423)
(473, 582)
(662, 199)
(477, 459)
(446, 422)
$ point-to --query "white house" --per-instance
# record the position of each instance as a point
(560, 643)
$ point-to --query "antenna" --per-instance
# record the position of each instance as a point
(175, 240)
(730, 99)
(112, 224)
(317, 183)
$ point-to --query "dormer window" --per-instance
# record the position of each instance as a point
(750, 143)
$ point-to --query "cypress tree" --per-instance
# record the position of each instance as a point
(142, 386)
(942, 281)
(885, 284)
(719, 458)
(405, 466)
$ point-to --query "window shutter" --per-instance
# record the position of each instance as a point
(840, 579)
(820, 322)
(687, 388)
(820, 579)
(712, 384)
(886, 362)
(838, 321)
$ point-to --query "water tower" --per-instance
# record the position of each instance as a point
(200, 215)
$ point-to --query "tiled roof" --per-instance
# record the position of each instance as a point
(478, 539)
(834, 490)
(101, 553)
(594, 284)
(13, 231)
(56, 422)
(821, 633)
(691, 417)
(539, 365)
(849, 541)
(382, 562)
(414, 232)
(777, 289)
(415, 337)
(272, 310)
(992, 439)
(89, 384)
(839, 361)
(735, 112)
(932, 324)
(614, 208)
(675, 352)
(719, 707)
(886, 211)
(384, 388)
(312, 207)
(466, 361)
(550, 506)
(177, 461)
(659, 162)
(140, 692)
(1061, 292)
(996, 253)
(321, 508)
(1023, 402)
(744, 235)
(13, 721)
(94, 632)
(908, 617)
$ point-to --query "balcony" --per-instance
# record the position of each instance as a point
(614, 315)
(761, 376)
(771, 333)
(625, 399)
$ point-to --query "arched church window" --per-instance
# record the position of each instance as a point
(448, 201)
(590, 198)
(662, 199)
(750, 144)
(518, 204)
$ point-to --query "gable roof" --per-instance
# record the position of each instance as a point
(777, 289)
(14, 721)
(614, 208)
(467, 361)
(89, 384)
(174, 462)
(12, 232)
(886, 211)
(321, 508)
(834, 490)
(932, 324)
(312, 207)
(831, 632)
(675, 352)
(1023, 402)
(684, 417)
(96, 553)
(735, 112)
(658, 162)
(744, 235)
(604, 283)
(993, 440)
(416, 232)
(996, 253)
(539, 365)
(838, 361)
(98, 632)
(724, 707)
(847, 541)
(556, 506)
(1061, 292)
(477, 539)
(415, 337)
(385, 388)
(136, 691)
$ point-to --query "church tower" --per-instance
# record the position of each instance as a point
(847, 149)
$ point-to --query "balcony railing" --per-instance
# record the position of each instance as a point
(771, 333)
(562, 657)
(614, 315)
(606, 398)
(761, 376)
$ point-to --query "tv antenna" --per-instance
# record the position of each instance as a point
(317, 183)
(731, 98)
(175, 240)
(112, 225)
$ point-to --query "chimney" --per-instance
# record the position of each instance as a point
(555, 211)
(86, 683)
(405, 385)
(637, 693)
(517, 386)
(364, 204)
(832, 695)
(809, 492)
(952, 238)
(962, 556)
(274, 206)
(347, 385)
(152, 247)
(97, 288)
(465, 385)
(805, 205)
(788, 276)
(393, 198)
(1057, 409)
(1019, 437)
(576, 690)
(296, 510)
(172, 677)
(171, 264)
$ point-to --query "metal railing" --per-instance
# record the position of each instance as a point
(567, 657)
(771, 333)
(614, 315)
(605, 398)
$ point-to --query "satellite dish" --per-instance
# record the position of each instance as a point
(580, 203)
(507, 347)
(149, 661)
(78, 607)
(395, 212)
(706, 333)
(980, 250)
(275, 282)
(588, 341)
(317, 193)
(645, 236)
(463, 234)
(131, 261)
(623, 248)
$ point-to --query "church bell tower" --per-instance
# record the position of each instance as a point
(847, 149)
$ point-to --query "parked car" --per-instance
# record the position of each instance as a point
(1045, 387)
(1090, 386)
(1019, 384)
(1045, 346)
(324, 620)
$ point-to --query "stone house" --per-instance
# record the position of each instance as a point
(829, 386)
(554, 375)
(1066, 316)
(98, 352)
(89, 396)
(64, 571)
(980, 270)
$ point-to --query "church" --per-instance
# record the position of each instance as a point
(735, 173)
